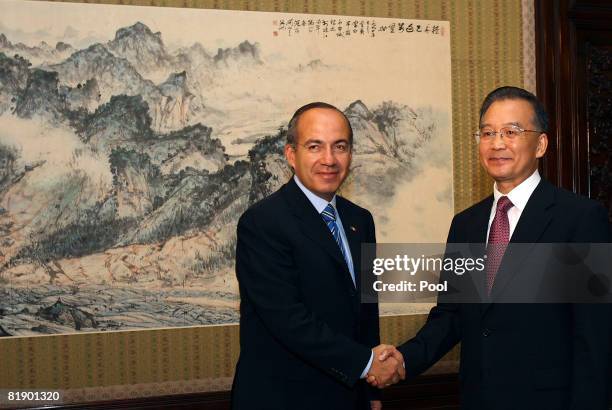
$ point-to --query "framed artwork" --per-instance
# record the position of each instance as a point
(132, 138)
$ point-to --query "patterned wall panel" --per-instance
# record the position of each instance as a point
(490, 45)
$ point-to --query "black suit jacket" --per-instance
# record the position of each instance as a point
(305, 338)
(524, 356)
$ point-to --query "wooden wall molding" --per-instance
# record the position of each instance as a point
(569, 35)
(434, 392)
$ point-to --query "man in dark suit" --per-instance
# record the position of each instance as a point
(306, 340)
(520, 356)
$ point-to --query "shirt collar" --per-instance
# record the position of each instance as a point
(316, 201)
(521, 193)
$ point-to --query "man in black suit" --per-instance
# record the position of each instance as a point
(306, 340)
(520, 355)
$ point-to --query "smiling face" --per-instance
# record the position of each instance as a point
(321, 158)
(511, 162)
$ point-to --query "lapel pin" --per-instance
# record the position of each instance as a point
(353, 229)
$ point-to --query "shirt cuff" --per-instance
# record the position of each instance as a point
(367, 368)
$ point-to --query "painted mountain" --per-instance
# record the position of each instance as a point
(125, 165)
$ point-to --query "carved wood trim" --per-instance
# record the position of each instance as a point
(573, 83)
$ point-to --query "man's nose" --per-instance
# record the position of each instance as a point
(498, 141)
(328, 156)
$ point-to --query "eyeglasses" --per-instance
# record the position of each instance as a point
(338, 148)
(507, 133)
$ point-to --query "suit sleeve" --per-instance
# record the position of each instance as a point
(440, 333)
(370, 313)
(266, 273)
(591, 325)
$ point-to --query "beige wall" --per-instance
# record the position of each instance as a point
(492, 45)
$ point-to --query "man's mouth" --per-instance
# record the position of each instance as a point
(499, 160)
(328, 175)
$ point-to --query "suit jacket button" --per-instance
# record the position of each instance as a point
(486, 332)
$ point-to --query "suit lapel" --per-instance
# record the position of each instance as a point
(536, 216)
(477, 238)
(477, 233)
(353, 234)
(313, 226)
(534, 220)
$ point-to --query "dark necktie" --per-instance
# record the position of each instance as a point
(499, 236)
(329, 216)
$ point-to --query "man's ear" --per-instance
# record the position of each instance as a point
(290, 155)
(542, 145)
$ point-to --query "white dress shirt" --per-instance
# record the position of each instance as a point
(518, 196)
(320, 204)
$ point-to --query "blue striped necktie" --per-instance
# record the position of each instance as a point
(329, 216)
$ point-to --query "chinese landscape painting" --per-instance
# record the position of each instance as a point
(132, 139)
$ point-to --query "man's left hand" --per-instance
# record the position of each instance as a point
(376, 405)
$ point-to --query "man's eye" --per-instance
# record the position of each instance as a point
(313, 147)
(488, 133)
(511, 133)
(341, 147)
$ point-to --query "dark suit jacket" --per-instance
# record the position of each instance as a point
(524, 356)
(305, 338)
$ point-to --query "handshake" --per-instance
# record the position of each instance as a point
(387, 367)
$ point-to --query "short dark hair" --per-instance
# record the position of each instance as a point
(292, 136)
(540, 119)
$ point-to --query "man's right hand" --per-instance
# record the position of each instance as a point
(387, 366)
